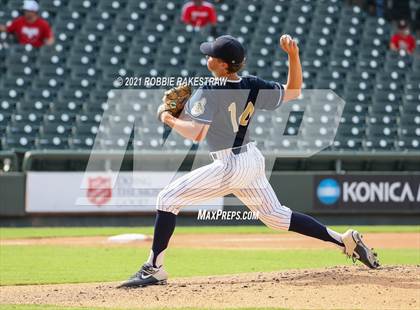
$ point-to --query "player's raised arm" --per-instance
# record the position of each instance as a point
(294, 79)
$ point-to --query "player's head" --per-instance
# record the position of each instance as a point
(30, 9)
(225, 55)
(198, 2)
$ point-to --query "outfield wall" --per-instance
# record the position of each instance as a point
(350, 198)
(338, 188)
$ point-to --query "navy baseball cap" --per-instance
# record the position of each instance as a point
(225, 47)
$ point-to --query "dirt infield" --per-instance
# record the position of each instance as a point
(391, 287)
(229, 241)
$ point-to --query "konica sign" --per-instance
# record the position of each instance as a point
(367, 191)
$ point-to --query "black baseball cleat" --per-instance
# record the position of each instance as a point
(356, 249)
(147, 275)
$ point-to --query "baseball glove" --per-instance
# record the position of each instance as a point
(174, 100)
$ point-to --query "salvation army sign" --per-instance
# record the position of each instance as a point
(99, 192)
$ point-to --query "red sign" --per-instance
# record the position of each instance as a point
(99, 190)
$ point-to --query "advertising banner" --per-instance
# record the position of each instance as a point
(367, 192)
(77, 192)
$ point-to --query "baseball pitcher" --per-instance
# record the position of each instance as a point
(221, 115)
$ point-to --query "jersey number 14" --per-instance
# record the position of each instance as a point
(243, 118)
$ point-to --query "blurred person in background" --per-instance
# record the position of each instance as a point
(403, 39)
(199, 14)
(30, 28)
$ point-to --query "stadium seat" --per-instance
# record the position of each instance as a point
(65, 86)
(18, 142)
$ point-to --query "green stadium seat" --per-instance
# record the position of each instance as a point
(98, 23)
(140, 5)
(351, 130)
(127, 27)
(18, 143)
(48, 128)
(69, 95)
(356, 108)
(382, 131)
(33, 106)
(10, 94)
(50, 142)
(81, 142)
(84, 84)
(82, 6)
(408, 143)
(88, 118)
(7, 105)
(122, 40)
(111, 6)
(410, 119)
(81, 73)
(379, 144)
(348, 144)
(409, 130)
(381, 118)
(413, 108)
(66, 106)
(22, 128)
(59, 118)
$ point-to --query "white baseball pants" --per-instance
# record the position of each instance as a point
(242, 175)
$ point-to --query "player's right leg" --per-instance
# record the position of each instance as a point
(202, 184)
(351, 241)
(259, 196)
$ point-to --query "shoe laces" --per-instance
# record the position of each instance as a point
(145, 269)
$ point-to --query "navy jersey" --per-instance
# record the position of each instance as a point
(229, 109)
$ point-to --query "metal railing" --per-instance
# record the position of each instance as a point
(8, 162)
(339, 162)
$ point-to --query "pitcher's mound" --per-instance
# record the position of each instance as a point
(391, 287)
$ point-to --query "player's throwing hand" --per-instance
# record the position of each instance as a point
(289, 45)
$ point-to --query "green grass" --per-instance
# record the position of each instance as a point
(66, 264)
(13, 233)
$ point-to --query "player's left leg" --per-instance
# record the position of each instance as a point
(259, 196)
(202, 184)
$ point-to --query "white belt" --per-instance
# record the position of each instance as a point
(231, 151)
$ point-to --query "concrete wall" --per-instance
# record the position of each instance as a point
(12, 194)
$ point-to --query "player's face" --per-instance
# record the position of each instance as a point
(29, 15)
(216, 66)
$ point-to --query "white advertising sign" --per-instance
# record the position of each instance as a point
(77, 192)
